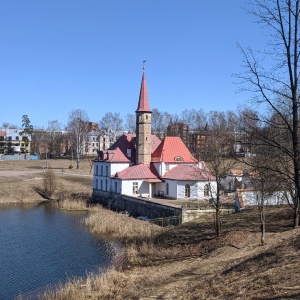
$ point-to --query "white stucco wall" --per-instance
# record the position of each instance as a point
(108, 169)
(251, 198)
(118, 167)
(172, 189)
(196, 189)
(127, 186)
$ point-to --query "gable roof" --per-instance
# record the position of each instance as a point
(173, 150)
(118, 152)
(139, 172)
(117, 156)
(143, 105)
(188, 172)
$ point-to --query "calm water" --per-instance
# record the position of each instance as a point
(40, 245)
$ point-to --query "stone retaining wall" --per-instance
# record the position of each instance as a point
(143, 207)
(136, 206)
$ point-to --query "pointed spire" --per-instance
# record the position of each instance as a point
(143, 105)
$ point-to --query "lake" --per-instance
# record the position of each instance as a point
(41, 245)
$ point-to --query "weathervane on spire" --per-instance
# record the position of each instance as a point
(144, 61)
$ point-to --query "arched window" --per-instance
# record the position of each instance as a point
(187, 191)
(167, 189)
(206, 190)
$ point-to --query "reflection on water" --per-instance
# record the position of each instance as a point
(40, 245)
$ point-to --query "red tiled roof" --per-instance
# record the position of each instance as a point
(118, 151)
(143, 105)
(155, 142)
(117, 156)
(124, 143)
(188, 172)
(138, 172)
(172, 149)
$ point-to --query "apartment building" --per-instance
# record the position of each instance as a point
(12, 142)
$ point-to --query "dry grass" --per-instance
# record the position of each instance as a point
(184, 262)
(189, 262)
(89, 287)
(20, 181)
(114, 225)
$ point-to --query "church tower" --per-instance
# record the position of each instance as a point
(143, 126)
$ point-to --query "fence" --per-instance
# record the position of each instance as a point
(18, 157)
(167, 221)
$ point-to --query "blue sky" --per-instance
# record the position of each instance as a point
(60, 55)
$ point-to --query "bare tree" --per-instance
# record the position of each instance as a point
(265, 184)
(9, 125)
(55, 137)
(111, 125)
(277, 90)
(195, 119)
(130, 123)
(160, 122)
(156, 122)
(77, 126)
(218, 157)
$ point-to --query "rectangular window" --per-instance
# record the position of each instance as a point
(96, 186)
(134, 187)
(167, 167)
(106, 170)
(116, 187)
(101, 185)
(96, 170)
(101, 171)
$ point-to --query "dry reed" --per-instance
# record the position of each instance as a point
(73, 204)
(109, 284)
(106, 222)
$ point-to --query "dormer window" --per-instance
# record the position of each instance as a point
(178, 158)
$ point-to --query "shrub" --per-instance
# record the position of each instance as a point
(49, 182)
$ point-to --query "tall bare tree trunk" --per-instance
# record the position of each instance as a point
(262, 223)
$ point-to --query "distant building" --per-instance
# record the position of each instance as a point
(181, 130)
(12, 142)
(196, 141)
